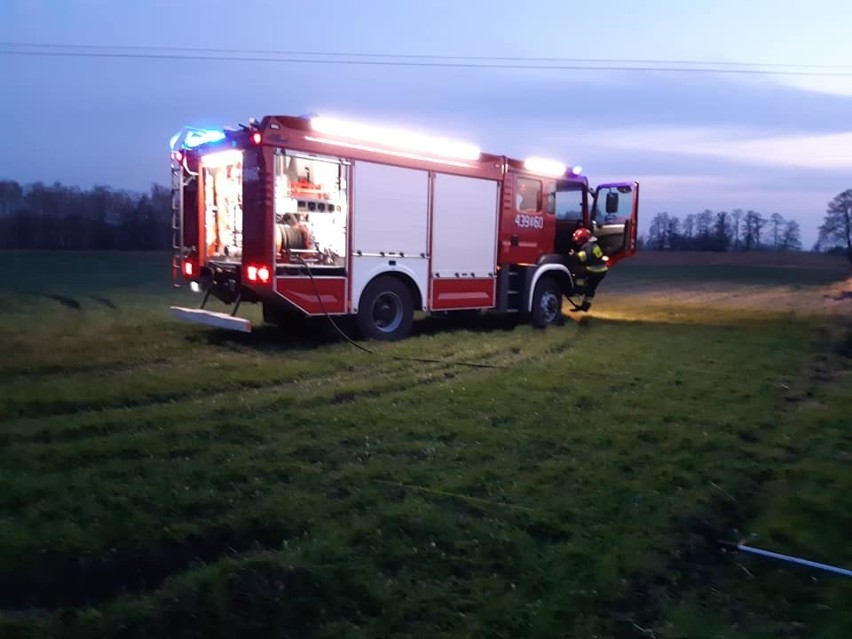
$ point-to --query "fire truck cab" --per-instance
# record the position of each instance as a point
(317, 216)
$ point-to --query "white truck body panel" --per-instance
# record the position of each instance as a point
(390, 212)
(464, 227)
(390, 225)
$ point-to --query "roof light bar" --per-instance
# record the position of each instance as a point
(396, 138)
(544, 166)
(189, 137)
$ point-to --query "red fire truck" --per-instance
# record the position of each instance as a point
(318, 216)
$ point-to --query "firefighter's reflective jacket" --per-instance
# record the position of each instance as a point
(592, 257)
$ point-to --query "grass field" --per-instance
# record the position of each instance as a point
(173, 480)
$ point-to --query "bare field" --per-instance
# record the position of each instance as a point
(833, 263)
(790, 283)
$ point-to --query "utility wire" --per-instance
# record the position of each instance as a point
(421, 56)
(564, 64)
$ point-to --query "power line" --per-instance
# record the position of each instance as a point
(421, 56)
(410, 60)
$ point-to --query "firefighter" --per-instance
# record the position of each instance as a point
(591, 259)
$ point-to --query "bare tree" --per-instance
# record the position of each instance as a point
(689, 227)
(791, 239)
(777, 221)
(736, 216)
(703, 222)
(836, 229)
(11, 197)
(673, 235)
(658, 231)
(722, 231)
(754, 223)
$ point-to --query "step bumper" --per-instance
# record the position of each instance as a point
(211, 318)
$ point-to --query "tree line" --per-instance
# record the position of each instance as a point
(736, 230)
(40, 216)
(740, 230)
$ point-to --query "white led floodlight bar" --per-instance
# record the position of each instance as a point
(396, 139)
(544, 166)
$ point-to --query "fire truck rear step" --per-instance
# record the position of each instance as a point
(212, 318)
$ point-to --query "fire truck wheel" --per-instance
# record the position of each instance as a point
(386, 311)
(547, 303)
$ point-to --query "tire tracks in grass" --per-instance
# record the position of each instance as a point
(63, 370)
(192, 378)
(200, 405)
(56, 579)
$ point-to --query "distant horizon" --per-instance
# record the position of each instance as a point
(644, 216)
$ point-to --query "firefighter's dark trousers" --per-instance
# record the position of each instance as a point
(592, 281)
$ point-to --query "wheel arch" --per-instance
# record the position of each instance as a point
(402, 276)
(402, 272)
(558, 272)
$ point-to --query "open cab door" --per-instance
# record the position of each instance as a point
(615, 217)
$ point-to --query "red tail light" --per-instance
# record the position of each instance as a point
(258, 274)
(256, 137)
(188, 268)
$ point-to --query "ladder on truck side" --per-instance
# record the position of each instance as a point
(177, 222)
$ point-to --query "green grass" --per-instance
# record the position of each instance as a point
(165, 478)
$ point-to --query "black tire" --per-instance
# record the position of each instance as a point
(386, 311)
(547, 303)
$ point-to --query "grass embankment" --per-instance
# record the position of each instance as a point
(163, 478)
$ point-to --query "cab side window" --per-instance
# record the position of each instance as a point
(527, 194)
(614, 205)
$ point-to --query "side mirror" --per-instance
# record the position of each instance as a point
(612, 202)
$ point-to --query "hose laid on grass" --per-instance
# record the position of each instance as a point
(422, 360)
(795, 560)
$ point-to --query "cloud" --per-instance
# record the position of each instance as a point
(830, 151)
(831, 85)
